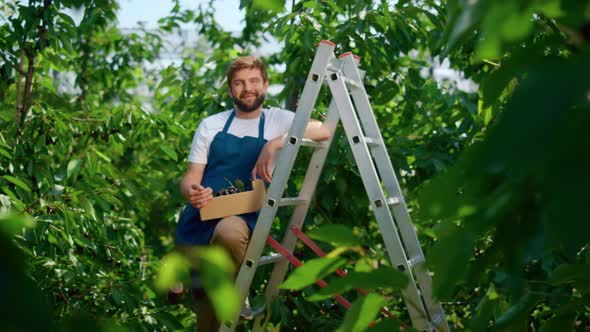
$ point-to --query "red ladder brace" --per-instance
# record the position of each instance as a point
(314, 247)
(297, 263)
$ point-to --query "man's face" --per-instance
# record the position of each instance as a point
(248, 89)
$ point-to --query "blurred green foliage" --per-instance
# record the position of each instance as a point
(496, 180)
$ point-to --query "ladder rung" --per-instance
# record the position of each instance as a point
(337, 70)
(350, 82)
(393, 200)
(272, 258)
(286, 201)
(315, 144)
(416, 260)
(258, 311)
(372, 141)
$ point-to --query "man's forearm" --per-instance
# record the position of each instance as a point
(317, 131)
(184, 187)
(186, 183)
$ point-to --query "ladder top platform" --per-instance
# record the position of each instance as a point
(356, 57)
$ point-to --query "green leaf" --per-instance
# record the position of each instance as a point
(550, 8)
(13, 223)
(6, 154)
(91, 164)
(216, 270)
(384, 277)
(362, 312)
(312, 271)
(276, 6)
(563, 322)
(365, 264)
(73, 168)
(17, 202)
(174, 269)
(387, 325)
(336, 234)
(85, 203)
(310, 4)
(169, 152)
(576, 274)
(485, 310)
(101, 155)
(117, 296)
(169, 320)
(513, 318)
(463, 22)
(17, 182)
(517, 25)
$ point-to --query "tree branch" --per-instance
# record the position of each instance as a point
(21, 73)
(23, 105)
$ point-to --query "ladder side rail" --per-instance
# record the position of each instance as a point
(372, 185)
(308, 187)
(382, 159)
(400, 210)
(284, 165)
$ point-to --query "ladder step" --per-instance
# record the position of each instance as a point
(416, 260)
(438, 319)
(286, 201)
(314, 144)
(371, 142)
(334, 71)
(389, 201)
(272, 258)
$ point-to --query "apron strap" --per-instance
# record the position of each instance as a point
(228, 122)
(261, 126)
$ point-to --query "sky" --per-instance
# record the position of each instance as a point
(230, 17)
(227, 12)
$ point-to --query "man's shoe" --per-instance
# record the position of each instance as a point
(247, 312)
(174, 295)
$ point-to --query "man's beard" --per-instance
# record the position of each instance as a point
(248, 108)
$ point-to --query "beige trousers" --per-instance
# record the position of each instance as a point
(232, 234)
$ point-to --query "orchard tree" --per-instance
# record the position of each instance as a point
(495, 179)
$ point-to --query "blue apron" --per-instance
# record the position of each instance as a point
(230, 158)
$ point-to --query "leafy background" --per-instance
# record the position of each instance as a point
(496, 180)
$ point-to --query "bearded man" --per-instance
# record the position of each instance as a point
(240, 143)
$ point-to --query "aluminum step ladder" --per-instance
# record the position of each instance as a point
(344, 79)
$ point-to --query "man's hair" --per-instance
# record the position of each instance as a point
(246, 62)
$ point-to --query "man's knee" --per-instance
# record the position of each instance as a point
(231, 231)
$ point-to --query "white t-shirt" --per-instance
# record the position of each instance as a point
(276, 123)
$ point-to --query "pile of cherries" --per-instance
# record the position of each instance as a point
(227, 191)
(238, 188)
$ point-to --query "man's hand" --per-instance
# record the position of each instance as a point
(267, 155)
(199, 196)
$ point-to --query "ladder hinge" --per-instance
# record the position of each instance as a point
(315, 144)
(272, 258)
(286, 201)
(350, 83)
(371, 142)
